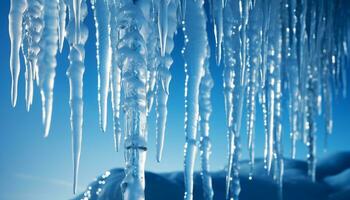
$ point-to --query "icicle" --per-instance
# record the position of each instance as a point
(218, 27)
(244, 11)
(103, 45)
(32, 30)
(47, 60)
(183, 5)
(62, 23)
(15, 30)
(76, 11)
(115, 76)
(293, 78)
(75, 75)
(132, 54)
(254, 46)
(311, 93)
(163, 24)
(164, 77)
(233, 91)
(153, 56)
(196, 44)
(263, 80)
(205, 109)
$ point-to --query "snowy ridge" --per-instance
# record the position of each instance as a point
(330, 186)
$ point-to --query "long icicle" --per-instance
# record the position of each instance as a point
(153, 56)
(205, 109)
(47, 60)
(132, 54)
(115, 76)
(263, 80)
(196, 44)
(294, 92)
(232, 87)
(103, 45)
(75, 75)
(276, 45)
(164, 77)
(254, 61)
(15, 31)
(270, 80)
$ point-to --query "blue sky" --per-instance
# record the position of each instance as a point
(32, 167)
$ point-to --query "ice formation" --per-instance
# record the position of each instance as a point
(271, 50)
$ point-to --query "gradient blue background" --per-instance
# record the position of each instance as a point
(32, 167)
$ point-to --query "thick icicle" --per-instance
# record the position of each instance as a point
(47, 60)
(218, 12)
(132, 54)
(115, 75)
(75, 75)
(205, 109)
(32, 30)
(196, 44)
(233, 93)
(62, 25)
(15, 31)
(104, 51)
(164, 77)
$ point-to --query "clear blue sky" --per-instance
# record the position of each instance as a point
(32, 167)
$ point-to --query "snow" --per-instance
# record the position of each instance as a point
(296, 183)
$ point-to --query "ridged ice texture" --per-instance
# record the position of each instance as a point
(132, 53)
(104, 51)
(32, 31)
(196, 47)
(233, 91)
(47, 61)
(15, 31)
(205, 110)
(75, 75)
(164, 77)
(254, 62)
(62, 21)
(115, 75)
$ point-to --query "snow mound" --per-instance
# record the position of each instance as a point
(332, 183)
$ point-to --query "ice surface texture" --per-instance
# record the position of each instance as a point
(274, 54)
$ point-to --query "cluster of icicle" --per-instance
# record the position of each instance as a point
(269, 48)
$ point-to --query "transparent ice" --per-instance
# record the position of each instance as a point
(273, 52)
